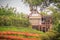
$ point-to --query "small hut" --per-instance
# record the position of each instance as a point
(40, 22)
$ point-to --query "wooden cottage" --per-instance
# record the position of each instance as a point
(40, 22)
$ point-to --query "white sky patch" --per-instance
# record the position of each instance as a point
(18, 4)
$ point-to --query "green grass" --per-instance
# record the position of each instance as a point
(20, 29)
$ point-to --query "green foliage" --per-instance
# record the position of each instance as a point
(57, 28)
(5, 21)
(58, 5)
(8, 17)
(6, 11)
(33, 2)
(56, 1)
(21, 29)
(55, 16)
(44, 37)
(42, 13)
(51, 35)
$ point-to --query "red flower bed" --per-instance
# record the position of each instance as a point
(7, 35)
(15, 37)
(18, 33)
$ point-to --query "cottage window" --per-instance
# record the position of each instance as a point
(43, 20)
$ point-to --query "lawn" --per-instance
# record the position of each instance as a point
(19, 29)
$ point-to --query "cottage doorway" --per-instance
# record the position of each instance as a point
(35, 27)
(43, 29)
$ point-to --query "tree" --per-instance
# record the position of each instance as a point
(5, 15)
(33, 3)
(8, 17)
(42, 3)
(7, 11)
(55, 16)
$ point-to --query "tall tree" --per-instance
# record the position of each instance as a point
(33, 3)
(42, 3)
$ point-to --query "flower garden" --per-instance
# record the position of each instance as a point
(8, 35)
(15, 33)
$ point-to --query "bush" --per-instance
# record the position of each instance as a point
(8, 17)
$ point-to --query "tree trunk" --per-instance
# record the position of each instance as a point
(31, 7)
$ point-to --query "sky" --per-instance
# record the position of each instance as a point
(18, 4)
